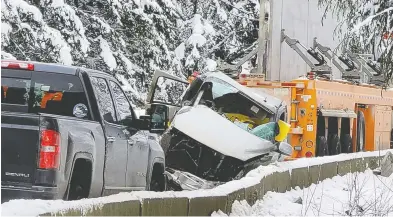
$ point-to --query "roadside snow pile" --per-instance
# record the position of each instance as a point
(356, 194)
(36, 207)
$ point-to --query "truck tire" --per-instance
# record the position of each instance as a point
(360, 132)
(334, 145)
(158, 180)
(79, 186)
(346, 144)
(322, 147)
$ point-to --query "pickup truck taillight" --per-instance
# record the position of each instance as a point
(49, 150)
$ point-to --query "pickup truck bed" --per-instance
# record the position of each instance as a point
(25, 174)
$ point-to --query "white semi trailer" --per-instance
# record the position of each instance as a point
(301, 20)
(298, 37)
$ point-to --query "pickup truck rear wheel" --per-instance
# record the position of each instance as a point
(79, 186)
(158, 179)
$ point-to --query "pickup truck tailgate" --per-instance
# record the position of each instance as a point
(19, 147)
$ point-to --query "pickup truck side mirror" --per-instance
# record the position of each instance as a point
(139, 124)
(158, 118)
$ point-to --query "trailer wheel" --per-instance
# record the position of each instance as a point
(334, 144)
(322, 147)
(346, 143)
(361, 133)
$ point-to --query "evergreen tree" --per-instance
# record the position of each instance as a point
(127, 38)
(130, 38)
(365, 27)
(229, 30)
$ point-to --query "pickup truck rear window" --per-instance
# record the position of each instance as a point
(52, 93)
(15, 91)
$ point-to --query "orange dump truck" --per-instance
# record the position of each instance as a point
(331, 117)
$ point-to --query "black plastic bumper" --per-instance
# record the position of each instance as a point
(11, 192)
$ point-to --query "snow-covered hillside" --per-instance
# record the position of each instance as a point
(129, 38)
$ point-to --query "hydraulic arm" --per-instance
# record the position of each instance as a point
(321, 68)
(351, 73)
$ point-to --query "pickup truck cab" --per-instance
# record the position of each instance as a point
(69, 133)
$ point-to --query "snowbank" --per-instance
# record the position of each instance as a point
(36, 207)
(355, 193)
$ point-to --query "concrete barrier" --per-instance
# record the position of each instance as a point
(164, 207)
(315, 174)
(237, 195)
(300, 177)
(203, 205)
(255, 192)
(344, 167)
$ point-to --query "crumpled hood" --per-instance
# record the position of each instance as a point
(209, 128)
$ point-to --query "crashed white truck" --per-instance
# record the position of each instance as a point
(213, 130)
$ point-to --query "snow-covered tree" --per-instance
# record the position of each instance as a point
(366, 27)
(216, 29)
(128, 38)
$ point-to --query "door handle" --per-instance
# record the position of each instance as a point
(111, 139)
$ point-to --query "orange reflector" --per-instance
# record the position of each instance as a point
(243, 75)
(266, 84)
(288, 84)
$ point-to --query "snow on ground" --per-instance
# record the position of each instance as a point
(357, 193)
(36, 207)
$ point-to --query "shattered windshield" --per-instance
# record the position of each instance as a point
(238, 108)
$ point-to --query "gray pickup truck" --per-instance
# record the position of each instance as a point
(70, 133)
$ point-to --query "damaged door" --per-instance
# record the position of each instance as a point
(167, 91)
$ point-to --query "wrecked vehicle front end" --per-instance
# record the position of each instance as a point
(201, 154)
(220, 130)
